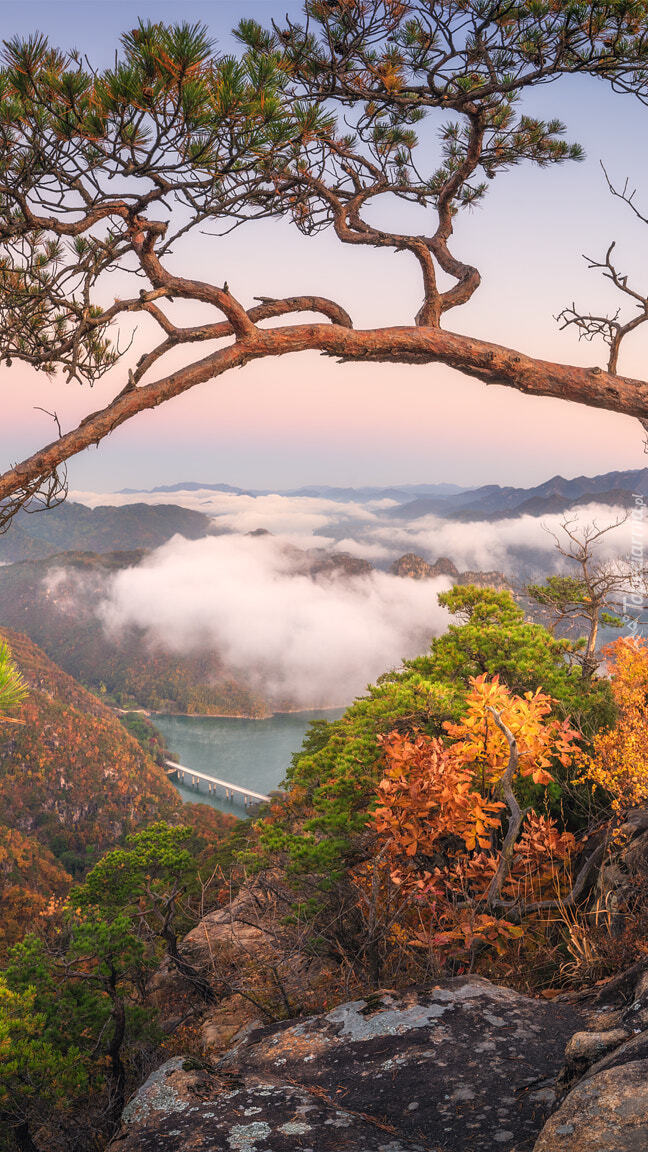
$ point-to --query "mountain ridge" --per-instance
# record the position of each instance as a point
(453, 501)
(492, 501)
(74, 526)
(333, 492)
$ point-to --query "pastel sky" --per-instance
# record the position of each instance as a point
(304, 420)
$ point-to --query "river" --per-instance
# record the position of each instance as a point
(255, 753)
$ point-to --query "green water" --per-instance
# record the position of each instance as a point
(255, 753)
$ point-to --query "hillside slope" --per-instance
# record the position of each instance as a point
(73, 526)
(52, 611)
(72, 780)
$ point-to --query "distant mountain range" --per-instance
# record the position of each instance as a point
(490, 501)
(401, 492)
(74, 527)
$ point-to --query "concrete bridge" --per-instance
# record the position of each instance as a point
(191, 779)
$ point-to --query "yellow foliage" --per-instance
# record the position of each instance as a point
(619, 761)
(483, 746)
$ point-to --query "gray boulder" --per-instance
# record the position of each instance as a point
(607, 1112)
(606, 1109)
(464, 1066)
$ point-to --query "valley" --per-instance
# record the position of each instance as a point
(226, 697)
(323, 806)
(248, 752)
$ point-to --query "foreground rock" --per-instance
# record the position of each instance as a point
(604, 1113)
(463, 1067)
(606, 1070)
(246, 953)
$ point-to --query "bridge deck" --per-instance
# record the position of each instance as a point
(237, 789)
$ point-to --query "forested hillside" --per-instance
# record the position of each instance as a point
(72, 784)
(73, 526)
(122, 666)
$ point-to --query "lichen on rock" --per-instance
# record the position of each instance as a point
(463, 1066)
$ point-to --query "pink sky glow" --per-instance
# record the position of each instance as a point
(307, 419)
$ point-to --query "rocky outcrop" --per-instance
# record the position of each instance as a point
(245, 952)
(606, 1113)
(624, 875)
(414, 567)
(464, 1066)
(606, 1073)
(322, 563)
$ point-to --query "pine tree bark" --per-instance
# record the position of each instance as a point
(491, 363)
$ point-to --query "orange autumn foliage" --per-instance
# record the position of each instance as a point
(619, 760)
(539, 739)
(440, 822)
(428, 794)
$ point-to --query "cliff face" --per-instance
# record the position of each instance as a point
(416, 568)
(72, 782)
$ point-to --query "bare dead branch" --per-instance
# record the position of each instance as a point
(517, 815)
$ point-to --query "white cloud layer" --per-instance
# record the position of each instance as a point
(505, 545)
(370, 530)
(314, 641)
(284, 515)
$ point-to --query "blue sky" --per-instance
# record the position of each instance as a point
(284, 423)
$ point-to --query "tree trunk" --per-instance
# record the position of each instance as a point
(195, 978)
(117, 1070)
(22, 1137)
(590, 659)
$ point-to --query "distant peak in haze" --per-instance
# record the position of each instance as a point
(183, 486)
(398, 492)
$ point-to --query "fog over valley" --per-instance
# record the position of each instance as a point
(312, 640)
(217, 600)
(296, 596)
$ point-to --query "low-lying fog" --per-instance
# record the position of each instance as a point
(317, 639)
